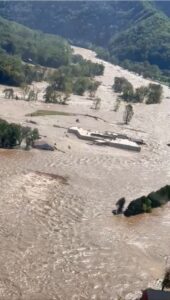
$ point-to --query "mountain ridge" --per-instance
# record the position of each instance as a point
(129, 32)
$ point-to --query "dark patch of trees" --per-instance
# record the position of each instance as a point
(145, 204)
(13, 72)
(75, 78)
(12, 135)
(38, 51)
(18, 44)
(33, 46)
(120, 83)
(151, 94)
(53, 96)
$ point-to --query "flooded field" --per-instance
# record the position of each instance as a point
(58, 237)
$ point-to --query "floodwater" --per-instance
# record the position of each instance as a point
(58, 237)
(60, 241)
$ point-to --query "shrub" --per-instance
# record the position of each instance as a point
(154, 93)
(141, 93)
(81, 85)
(128, 93)
(119, 84)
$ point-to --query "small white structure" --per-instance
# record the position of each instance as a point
(107, 139)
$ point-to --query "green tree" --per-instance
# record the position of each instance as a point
(29, 135)
(81, 85)
(12, 134)
(120, 83)
(140, 94)
(50, 94)
(53, 96)
(128, 92)
(154, 93)
(146, 205)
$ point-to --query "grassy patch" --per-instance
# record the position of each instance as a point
(39, 113)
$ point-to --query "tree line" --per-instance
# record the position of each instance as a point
(77, 78)
(145, 204)
(151, 94)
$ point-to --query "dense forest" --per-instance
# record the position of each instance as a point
(80, 21)
(25, 54)
(33, 46)
(20, 45)
(135, 34)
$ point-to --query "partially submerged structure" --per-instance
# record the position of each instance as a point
(43, 145)
(108, 139)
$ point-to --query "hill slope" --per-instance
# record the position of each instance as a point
(33, 45)
(19, 44)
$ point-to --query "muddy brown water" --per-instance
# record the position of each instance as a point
(61, 241)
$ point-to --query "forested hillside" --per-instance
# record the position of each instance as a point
(19, 44)
(135, 34)
(23, 53)
(83, 22)
(33, 46)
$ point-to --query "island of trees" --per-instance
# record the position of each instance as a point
(145, 204)
(12, 135)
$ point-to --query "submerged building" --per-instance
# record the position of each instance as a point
(108, 139)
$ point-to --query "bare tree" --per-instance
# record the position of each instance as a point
(117, 104)
(93, 88)
(96, 103)
(9, 93)
(66, 98)
(26, 90)
(128, 113)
